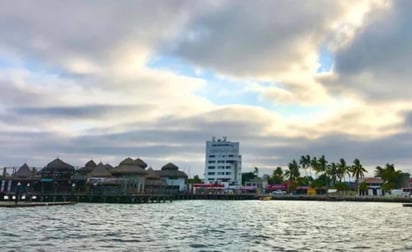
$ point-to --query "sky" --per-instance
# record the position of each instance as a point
(106, 80)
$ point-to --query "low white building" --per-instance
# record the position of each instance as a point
(374, 187)
(172, 176)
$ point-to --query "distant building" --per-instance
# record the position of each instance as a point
(171, 175)
(374, 187)
(223, 162)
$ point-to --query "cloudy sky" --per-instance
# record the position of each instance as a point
(105, 80)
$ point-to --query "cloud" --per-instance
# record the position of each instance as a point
(375, 64)
(76, 81)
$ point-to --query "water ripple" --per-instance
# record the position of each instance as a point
(209, 226)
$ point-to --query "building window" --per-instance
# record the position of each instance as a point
(212, 156)
(220, 173)
(228, 173)
(221, 167)
(228, 167)
(210, 167)
(211, 161)
(210, 173)
(220, 161)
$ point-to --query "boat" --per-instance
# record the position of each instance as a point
(407, 204)
(265, 198)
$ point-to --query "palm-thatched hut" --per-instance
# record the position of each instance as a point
(134, 174)
(23, 173)
(172, 176)
(25, 177)
(100, 171)
(154, 183)
(57, 176)
(89, 166)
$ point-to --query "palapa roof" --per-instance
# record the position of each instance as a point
(127, 167)
(100, 171)
(91, 163)
(58, 164)
(140, 163)
(23, 172)
(152, 178)
(89, 166)
(171, 170)
(108, 166)
(151, 174)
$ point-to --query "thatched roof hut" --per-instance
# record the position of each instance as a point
(23, 172)
(128, 167)
(108, 167)
(89, 166)
(172, 171)
(140, 163)
(100, 171)
(152, 178)
(57, 168)
(59, 165)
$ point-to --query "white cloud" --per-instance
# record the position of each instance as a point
(75, 79)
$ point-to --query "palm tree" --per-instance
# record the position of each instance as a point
(332, 172)
(342, 169)
(320, 167)
(314, 164)
(277, 176)
(358, 171)
(293, 171)
(302, 163)
(391, 177)
(305, 162)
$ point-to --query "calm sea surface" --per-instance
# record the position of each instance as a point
(209, 226)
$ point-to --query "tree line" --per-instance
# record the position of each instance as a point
(318, 172)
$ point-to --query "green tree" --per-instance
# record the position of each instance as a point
(332, 172)
(358, 172)
(293, 171)
(314, 163)
(277, 176)
(342, 187)
(246, 176)
(343, 170)
(194, 180)
(321, 168)
(305, 163)
(391, 177)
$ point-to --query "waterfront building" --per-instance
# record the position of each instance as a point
(154, 183)
(223, 162)
(100, 171)
(57, 176)
(173, 177)
(89, 166)
(133, 171)
(374, 187)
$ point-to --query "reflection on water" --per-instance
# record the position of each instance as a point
(209, 226)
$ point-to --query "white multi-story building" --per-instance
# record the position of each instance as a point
(223, 162)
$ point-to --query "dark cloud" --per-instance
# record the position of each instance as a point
(79, 112)
(376, 63)
(166, 141)
(250, 39)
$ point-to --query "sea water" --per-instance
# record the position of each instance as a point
(209, 226)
